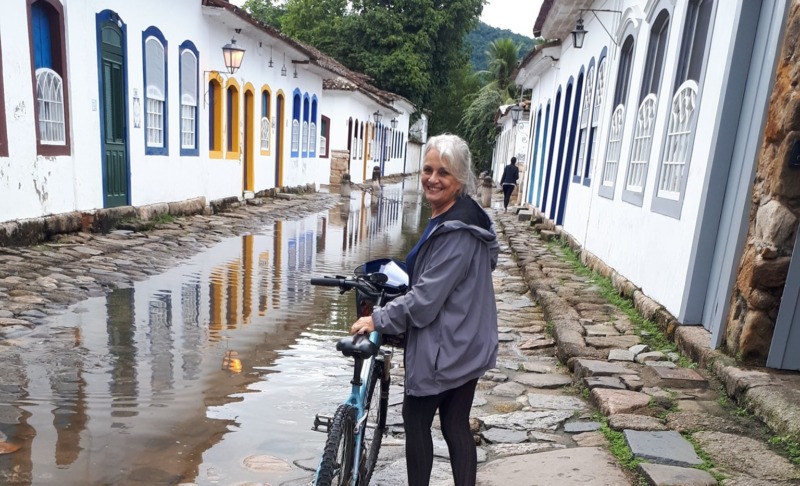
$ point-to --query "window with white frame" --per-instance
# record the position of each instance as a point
(324, 134)
(155, 92)
(586, 106)
(599, 93)
(189, 80)
(47, 24)
(50, 104)
(617, 123)
(646, 113)
(295, 136)
(312, 136)
(681, 124)
(305, 138)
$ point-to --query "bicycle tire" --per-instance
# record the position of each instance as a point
(375, 425)
(336, 467)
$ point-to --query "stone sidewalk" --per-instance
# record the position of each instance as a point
(665, 409)
(577, 380)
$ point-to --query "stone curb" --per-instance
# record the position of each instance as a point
(763, 393)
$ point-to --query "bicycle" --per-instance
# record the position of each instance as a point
(357, 427)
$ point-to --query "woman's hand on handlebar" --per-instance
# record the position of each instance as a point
(363, 325)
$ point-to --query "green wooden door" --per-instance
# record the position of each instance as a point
(115, 142)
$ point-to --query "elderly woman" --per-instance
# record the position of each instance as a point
(449, 314)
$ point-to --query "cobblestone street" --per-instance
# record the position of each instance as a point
(578, 396)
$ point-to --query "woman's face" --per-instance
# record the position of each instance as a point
(440, 186)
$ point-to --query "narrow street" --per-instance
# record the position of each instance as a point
(577, 397)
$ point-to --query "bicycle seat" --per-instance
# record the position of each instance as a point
(357, 346)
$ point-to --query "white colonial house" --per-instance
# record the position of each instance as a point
(647, 132)
(133, 103)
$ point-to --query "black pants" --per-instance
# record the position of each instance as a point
(454, 406)
(507, 190)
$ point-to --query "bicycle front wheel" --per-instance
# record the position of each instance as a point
(375, 425)
(336, 467)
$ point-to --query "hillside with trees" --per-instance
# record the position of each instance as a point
(478, 41)
(419, 50)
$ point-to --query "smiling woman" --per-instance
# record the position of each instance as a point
(448, 315)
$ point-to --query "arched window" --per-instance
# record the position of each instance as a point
(646, 113)
(599, 94)
(350, 137)
(189, 81)
(617, 124)
(583, 127)
(155, 83)
(681, 126)
(304, 132)
(232, 119)
(49, 64)
(266, 126)
(312, 129)
(296, 107)
(215, 116)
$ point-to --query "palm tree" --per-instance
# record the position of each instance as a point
(478, 121)
(502, 55)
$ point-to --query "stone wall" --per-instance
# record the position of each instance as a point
(340, 163)
(774, 213)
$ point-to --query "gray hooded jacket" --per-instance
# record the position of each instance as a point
(449, 315)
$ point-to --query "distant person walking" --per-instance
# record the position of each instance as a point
(509, 181)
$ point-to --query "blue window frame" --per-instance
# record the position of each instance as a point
(156, 100)
(312, 129)
(190, 86)
(296, 106)
(304, 131)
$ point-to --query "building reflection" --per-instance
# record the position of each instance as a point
(143, 363)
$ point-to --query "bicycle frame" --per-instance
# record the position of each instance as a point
(358, 399)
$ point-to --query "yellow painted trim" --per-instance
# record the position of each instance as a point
(279, 155)
(217, 151)
(268, 90)
(236, 115)
(249, 149)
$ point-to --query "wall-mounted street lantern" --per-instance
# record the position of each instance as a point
(579, 34)
(377, 116)
(516, 110)
(394, 123)
(233, 55)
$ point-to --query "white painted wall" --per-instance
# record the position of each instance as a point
(650, 249)
(32, 186)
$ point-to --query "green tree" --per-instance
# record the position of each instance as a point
(478, 120)
(502, 55)
(266, 11)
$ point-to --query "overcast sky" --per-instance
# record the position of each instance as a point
(515, 15)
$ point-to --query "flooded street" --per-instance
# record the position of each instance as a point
(208, 373)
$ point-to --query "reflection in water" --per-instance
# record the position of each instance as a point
(166, 392)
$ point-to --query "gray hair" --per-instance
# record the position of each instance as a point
(455, 155)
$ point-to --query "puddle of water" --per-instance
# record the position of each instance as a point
(210, 373)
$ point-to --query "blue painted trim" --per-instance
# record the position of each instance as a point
(154, 32)
(562, 146)
(535, 153)
(545, 133)
(549, 165)
(569, 159)
(105, 16)
(188, 45)
(296, 101)
(304, 122)
(312, 142)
